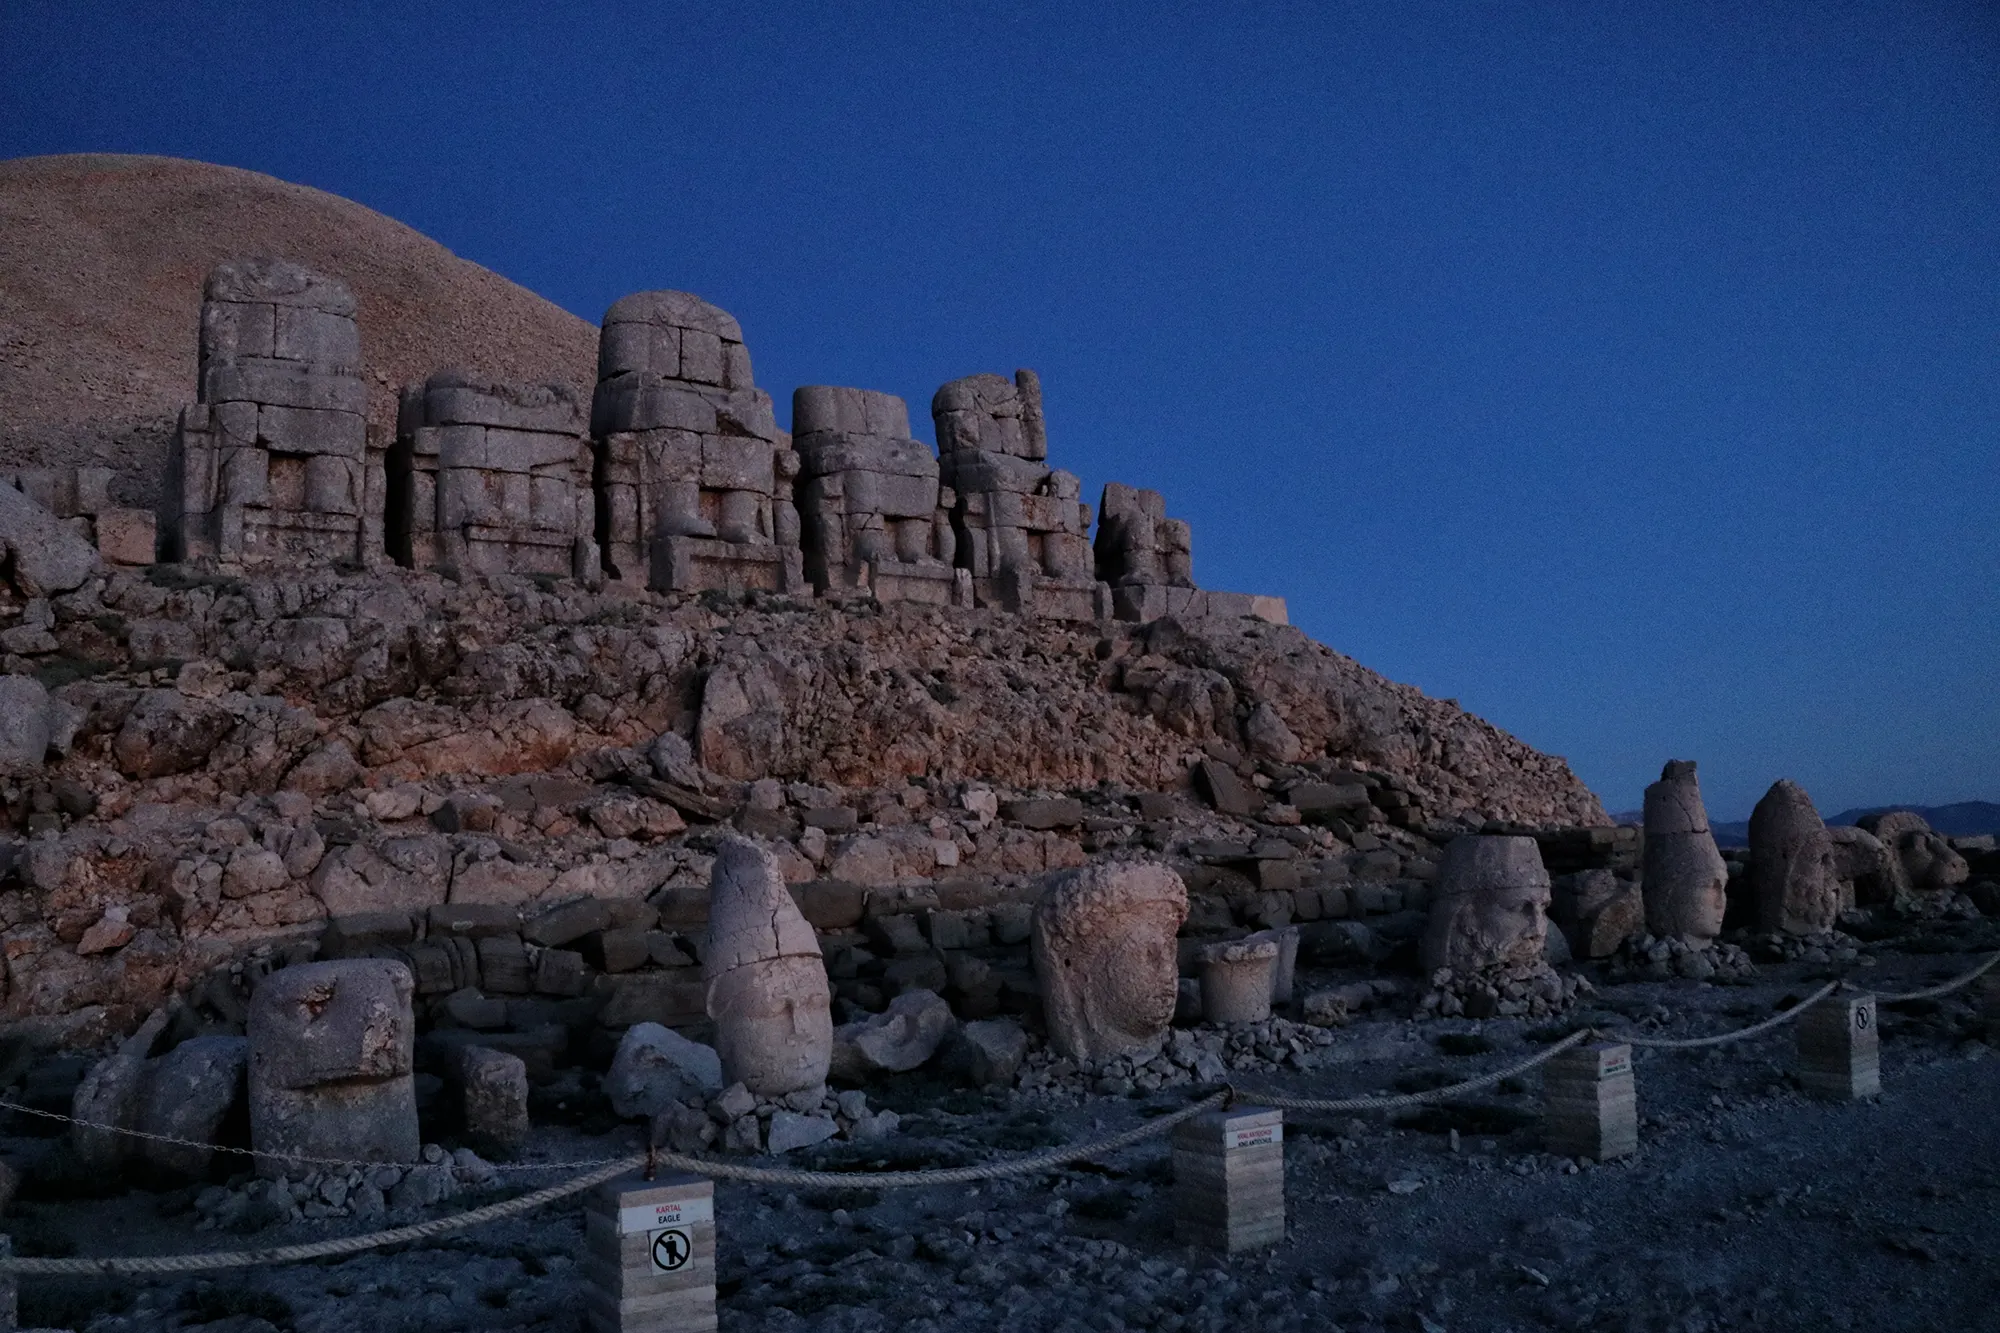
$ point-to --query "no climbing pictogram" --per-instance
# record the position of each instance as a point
(672, 1249)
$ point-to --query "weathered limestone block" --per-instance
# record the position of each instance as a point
(655, 1066)
(188, 1093)
(1870, 874)
(1792, 866)
(109, 1095)
(873, 517)
(492, 477)
(25, 729)
(39, 554)
(272, 461)
(1685, 875)
(493, 1100)
(767, 986)
(1137, 544)
(1103, 945)
(1488, 907)
(694, 476)
(331, 1048)
(1018, 525)
(1602, 912)
(895, 1041)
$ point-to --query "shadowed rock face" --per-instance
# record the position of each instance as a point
(1103, 944)
(1792, 863)
(1490, 908)
(331, 1047)
(767, 989)
(1685, 875)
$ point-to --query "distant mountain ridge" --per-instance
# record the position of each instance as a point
(1960, 819)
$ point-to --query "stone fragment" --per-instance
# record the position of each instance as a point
(1325, 1008)
(789, 1130)
(899, 1039)
(1103, 946)
(1606, 912)
(1792, 864)
(986, 1053)
(567, 922)
(109, 1095)
(1267, 736)
(1043, 813)
(331, 1047)
(41, 555)
(493, 1090)
(655, 1065)
(188, 1094)
(1223, 790)
(1236, 980)
(767, 986)
(1685, 875)
(1489, 906)
(1287, 940)
(24, 724)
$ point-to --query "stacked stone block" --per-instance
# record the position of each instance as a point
(694, 478)
(1020, 529)
(81, 497)
(491, 477)
(873, 517)
(271, 461)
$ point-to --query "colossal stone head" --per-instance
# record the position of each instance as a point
(1686, 878)
(1792, 863)
(1105, 953)
(767, 988)
(1490, 908)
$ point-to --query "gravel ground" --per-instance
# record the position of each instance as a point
(1748, 1206)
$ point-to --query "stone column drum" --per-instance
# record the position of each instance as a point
(1685, 876)
(767, 987)
(1237, 979)
(330, 1064)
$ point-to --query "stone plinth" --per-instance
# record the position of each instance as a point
(1144, 602)
(649, 1256)
(872, 515)
(1840, 1049)
(694, 477)
(1229, 1179)
(491, 477)
(272, 460)
(1590, 1107)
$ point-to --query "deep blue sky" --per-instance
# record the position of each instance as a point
(1625, 371)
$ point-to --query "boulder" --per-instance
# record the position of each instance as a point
(656, 1066)
(188, 1093)
(25, 729)
(1685, 877)
(1792, 870)
(1103, 946)
(1488, 907)
(39, 553)
(1870, 873)
(986, 1053)
(331, 1048)
(899, 1039)
(1602, 913)
(789, 1130)
(168, 732)
(767, 986)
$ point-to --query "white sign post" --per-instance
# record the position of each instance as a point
(650, 1261)
(1590, 1105)
(1229, 1179)
(1840, 1049)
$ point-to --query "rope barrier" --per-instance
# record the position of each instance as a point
(1946, 988)
(293, 1159)
(1778, 1019)
(284, 1254)
(1418, 1098)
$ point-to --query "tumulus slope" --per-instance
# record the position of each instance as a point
(102, 258)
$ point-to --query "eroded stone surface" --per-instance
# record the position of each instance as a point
(1104, 950)
(767, 987)
(1792, 863)
(1685, 876)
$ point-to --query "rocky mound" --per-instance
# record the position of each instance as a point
(102, 259)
